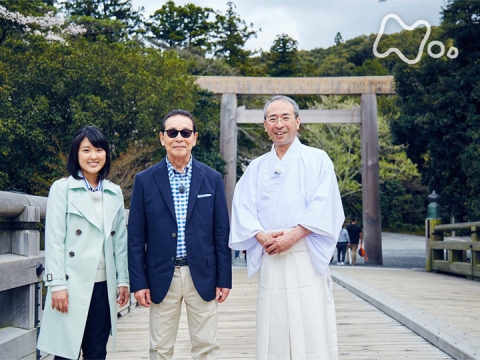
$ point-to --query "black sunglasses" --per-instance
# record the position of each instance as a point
(172, 133)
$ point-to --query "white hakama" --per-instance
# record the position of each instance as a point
(295, 309)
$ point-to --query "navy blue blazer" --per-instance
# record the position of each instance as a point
(152, 232)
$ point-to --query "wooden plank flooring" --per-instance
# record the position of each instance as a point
(452, 299)
(364, 332)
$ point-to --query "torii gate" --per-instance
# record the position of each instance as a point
(365, 86)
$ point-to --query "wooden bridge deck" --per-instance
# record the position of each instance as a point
(451, 299)
(364, 331)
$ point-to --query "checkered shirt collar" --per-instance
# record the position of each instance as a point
(172, 171)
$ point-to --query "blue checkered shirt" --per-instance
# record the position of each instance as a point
(180, 201)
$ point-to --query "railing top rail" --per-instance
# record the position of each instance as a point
(13, 204)
(458, 226)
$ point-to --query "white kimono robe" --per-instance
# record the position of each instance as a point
(295, 308)
(273, 194)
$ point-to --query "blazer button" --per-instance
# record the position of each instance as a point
(71, 254)
(173, 259)
(66, 276)
(78, 232)
(112, 233)
(174, 235)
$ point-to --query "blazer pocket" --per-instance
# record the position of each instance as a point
(203, 196)
(151, 261)
(211, 259)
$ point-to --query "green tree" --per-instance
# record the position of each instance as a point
(113, 19)
(338, 38)
(440, 103)
(283, 57)
(50, 90)
(370, 68)
(232, 34)
(175, 26)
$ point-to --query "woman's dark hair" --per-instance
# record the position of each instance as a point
(98, 140)
(178, 112)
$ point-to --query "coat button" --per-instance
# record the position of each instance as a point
(71, 254)
(114, 253)
(112, 233)
(173, 259)
(66, 276)
(174, 235)
(78, 232)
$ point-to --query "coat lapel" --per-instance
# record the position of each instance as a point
(197, 178)
(163, 183)
(83, 203)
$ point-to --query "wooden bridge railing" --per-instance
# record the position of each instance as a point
(450, 255)
(21, 274)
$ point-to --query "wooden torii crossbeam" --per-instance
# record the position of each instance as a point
(365, 86)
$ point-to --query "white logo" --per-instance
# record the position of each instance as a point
(452, 52)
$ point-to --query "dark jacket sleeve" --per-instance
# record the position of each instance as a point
(137, 238)
(221, 229)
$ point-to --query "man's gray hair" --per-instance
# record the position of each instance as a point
(296, 109)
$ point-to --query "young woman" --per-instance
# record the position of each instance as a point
(86, 271)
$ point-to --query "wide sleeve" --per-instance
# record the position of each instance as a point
(221, 230)
(55, 233)
(324, 214)
(245, 223)
(120, 243)
(137, 238)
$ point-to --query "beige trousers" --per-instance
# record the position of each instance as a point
(295, 309)
(202, 320)
(354, 248)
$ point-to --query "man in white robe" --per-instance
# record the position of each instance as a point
(287, 213)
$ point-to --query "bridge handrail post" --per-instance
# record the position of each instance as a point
(433, 219)
(21, 266)
(475, 247)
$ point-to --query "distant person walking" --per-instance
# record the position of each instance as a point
(356, 236)
(343, 241)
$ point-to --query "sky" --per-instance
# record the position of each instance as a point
(315, 23)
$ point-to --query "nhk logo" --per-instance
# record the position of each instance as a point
(452, 52)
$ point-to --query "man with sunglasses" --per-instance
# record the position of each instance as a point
(178, 242)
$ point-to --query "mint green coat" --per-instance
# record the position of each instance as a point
(74, 240)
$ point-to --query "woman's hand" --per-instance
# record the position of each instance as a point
(123, 295)
(60, 301)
